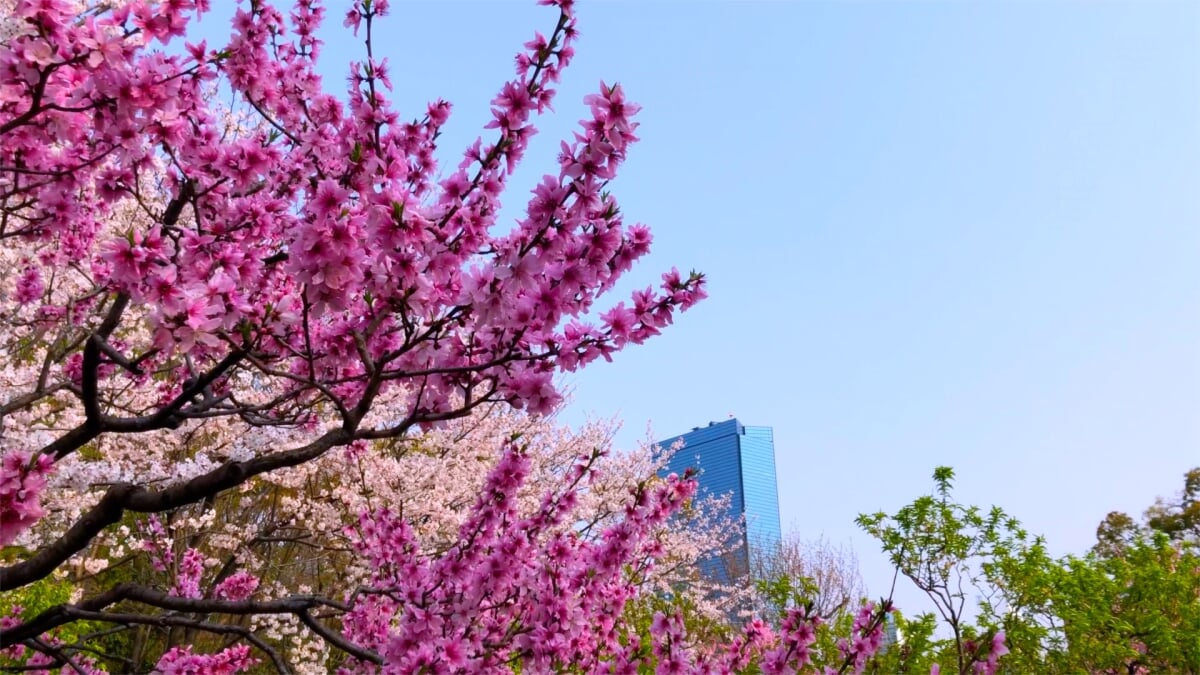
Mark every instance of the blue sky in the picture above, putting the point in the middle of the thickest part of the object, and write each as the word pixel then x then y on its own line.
pixel 935 233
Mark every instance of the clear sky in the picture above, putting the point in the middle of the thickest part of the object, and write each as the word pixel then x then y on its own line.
pixel 935 233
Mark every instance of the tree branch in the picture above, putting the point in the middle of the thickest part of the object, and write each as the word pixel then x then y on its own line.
pixel 126 497
pixel 92 608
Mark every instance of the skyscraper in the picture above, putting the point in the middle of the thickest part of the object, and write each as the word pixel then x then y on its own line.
pixel 739 461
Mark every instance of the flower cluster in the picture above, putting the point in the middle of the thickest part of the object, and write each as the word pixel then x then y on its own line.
pixel 238 586
pixel 187 579
pixel 463 607
pixel 990 662
pixel 521 590
pixel 866 638
pixel 181 661
pixel 22 480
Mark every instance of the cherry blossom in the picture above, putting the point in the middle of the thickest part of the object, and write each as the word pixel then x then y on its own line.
pixel 238 310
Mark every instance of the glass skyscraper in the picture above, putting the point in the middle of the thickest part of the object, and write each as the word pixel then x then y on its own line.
pixel 739 461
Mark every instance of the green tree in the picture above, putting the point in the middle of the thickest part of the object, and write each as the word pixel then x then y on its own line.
pixel 1131 605
pixel 945 549
pixel 1138 612
pixel 1177 518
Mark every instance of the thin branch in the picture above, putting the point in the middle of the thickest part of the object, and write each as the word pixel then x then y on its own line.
pixel 337 640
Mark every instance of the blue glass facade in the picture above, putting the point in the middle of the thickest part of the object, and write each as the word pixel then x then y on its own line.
pixel 739 461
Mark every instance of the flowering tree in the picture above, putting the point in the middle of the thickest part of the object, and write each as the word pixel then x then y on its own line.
pixel 818 570
pixel 198 297
pixel 304 274
pixel 298 276
pixel 291 531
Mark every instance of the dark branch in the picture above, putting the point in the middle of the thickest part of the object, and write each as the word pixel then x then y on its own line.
pixel 92 608
pixel 337 640
pixel 125 497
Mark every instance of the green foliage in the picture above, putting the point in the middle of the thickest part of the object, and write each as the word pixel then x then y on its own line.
pixel 947 549
pixel 1138 609
pixel 29 601
pixel 1179 519
pixel 783 592
pixel 36 597
pixel 916 651
pixel 700 627
pixel 1131 605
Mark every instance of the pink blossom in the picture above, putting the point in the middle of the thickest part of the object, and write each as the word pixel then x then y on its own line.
pixel 29 285
pixel 996 649
pixel 305 257
pixel 181 661
pixel 22 481
pixel 187 580
pixel 238 586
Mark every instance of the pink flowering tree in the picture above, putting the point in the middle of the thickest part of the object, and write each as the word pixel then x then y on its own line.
pixel 298 276
pixel 198 297
pixel 303 272
pixel 286 532
pixel 516 590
